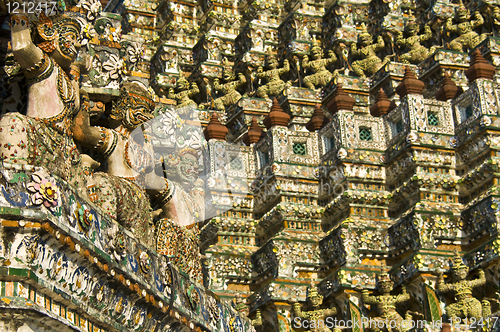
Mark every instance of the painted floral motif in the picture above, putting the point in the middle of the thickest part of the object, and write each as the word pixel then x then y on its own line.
pixel 144 262
pixel 44 191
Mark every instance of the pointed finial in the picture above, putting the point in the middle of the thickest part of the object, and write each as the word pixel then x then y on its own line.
pixel 215 129
pixel 254 133
pixel 479 67
pixel 318 119
pixel 383 104
pixel 277 117
pixel 341 101
pixel 410 84
pixel 448 90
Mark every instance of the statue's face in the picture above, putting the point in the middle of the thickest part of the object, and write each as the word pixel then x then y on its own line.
pixel 228 75
pixel 460 274
pixel 385 287
pixel 137 111
pixel 463 15
pixel 365 40
pixel 67 44
pixel 188 167
pixel 316 53
pixel 273 63
pixel 412 29
pixel 315 301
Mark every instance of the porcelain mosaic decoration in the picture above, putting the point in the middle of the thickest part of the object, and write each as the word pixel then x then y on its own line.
pixel 249 166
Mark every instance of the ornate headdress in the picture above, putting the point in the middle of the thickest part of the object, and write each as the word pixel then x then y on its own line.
pixel 364 31
pixel 458 263
pixel 313 292
pixel 461 8
pixel 384 278
pixel 133 95
pixel 411 19
pixel 316 45
pixel 49 30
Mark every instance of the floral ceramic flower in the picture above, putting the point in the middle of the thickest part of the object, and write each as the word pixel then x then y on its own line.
pixel 84 217
pixel 44 191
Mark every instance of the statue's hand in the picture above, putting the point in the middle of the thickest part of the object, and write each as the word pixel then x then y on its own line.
pixel 380 39
pixel 194 85
pixel 305 58
pixel 331 54
pixel 84 63
pixel 171 91
pixel 477 16
pixel 285 62
pixel 427 29
pixel 216 81
pixel 241 76
pixel 260 69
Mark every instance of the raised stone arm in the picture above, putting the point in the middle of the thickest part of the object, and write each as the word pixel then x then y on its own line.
pixel 194 90
pixel 305 62
pixel 26 52
pixel 380 44
pixel 449 25
pixel 354 50
pixel 403 297
pixel 332 58
pixel 481 281
pixel 171 93
pixel 83 132
pixel 440 284
pixel 400 40
pixel 260 72
pixel 367 298
pixel 427 34
pixel 297 311
pixel 217 85
pixel 285 69
pixel 479 20
pixel 242 79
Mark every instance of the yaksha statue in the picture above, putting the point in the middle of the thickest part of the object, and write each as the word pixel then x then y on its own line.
pixel 183 93
pixel 274 83
pixel 367 51
pixel 468 38
pixel 127 161
pixel 229 88
pixel 465 305
pixel 316 317
pixel 42 137
pixel 386 306
pixel 317 66
pixel 416 52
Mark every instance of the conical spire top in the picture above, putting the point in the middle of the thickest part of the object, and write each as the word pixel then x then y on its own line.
pixel 215 129
pixel 479 67
pixel 410 84
pixel 277 117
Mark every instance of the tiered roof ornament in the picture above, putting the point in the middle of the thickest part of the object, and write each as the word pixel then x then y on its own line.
pixel 383 104
pixel 479 67
pixel 277 117
pixel 410 84
pixel 341 101
pixel 215 129
pixel 448 90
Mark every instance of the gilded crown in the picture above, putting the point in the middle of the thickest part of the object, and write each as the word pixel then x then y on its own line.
pixel 313 291
pixel 384 278
pixel 364 31
pixel 458 263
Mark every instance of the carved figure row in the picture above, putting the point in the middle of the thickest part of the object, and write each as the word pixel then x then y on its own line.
pixel 58 123
pixel 464 306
